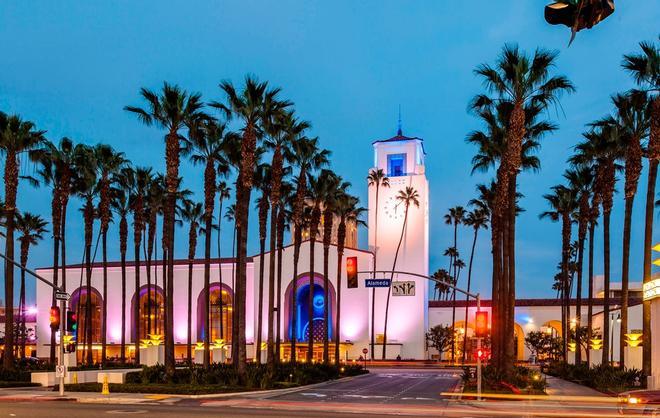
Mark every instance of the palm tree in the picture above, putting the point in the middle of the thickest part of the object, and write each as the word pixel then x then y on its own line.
pixel 138 187
pixel 108 163
pixel 644 67
pixel 631 121
pixel 522 83
pixel 335 188
pixel 247 105
pixel 349 213
pixel 282 129
pixel 206 147
pixel 121 204
pixel 306 155
pixel 173 110
pixel 563 203
pixel 408 196
pixel 477 219
pixel 377 179
pixel 16 138
pixel 580 180
pixel 32 228
pixel 262 182
pixel 283 223
pixel 86 189
pixel 193 213
pixel 455 217
pixel 458 266
pixel 440 289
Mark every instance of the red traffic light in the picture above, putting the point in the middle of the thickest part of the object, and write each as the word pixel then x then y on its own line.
pixel 482 354
pixel 71 321
pixel 351 272
pixel 54 317
pixel 481 323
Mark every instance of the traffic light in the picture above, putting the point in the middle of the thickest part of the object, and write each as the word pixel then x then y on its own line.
pixel 578 14
pixel 71 322
pixel 54 317
pixel 481 324
pixel 482 354
pixel 351 272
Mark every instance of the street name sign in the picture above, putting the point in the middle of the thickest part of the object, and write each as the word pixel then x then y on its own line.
pixel 61 295
pixel 377 282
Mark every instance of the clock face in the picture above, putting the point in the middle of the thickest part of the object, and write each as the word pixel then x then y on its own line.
pixel 394 209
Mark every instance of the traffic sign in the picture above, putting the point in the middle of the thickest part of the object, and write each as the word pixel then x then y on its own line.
pixel 406 288
pixel 62 295
pixel 365 351
pixel 377 282
pixel 60 371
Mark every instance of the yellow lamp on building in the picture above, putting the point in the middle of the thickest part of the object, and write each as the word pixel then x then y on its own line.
pixel 156 339
pixel 634 339
pixel 145 342
pixel 596 343
pixel 572 347
pixel 199 346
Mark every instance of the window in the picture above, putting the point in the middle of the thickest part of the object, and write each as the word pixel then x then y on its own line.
pixel 396 165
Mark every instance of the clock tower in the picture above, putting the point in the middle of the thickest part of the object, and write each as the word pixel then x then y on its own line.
pixel 402 160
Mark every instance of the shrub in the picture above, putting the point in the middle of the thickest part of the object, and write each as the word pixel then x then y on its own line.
pixel 520 380
pixel 604 378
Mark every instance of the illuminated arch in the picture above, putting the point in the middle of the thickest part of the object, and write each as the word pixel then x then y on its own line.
pixel 302 301
pixel 221 325
pixel 78 304
pixel 519 335
pixel 157 311
pixel 554 326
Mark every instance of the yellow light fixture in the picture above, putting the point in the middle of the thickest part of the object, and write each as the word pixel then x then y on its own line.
pixel 156 339
pixel 199 346
pixel 656 262
pixel 634 339
pixel 596 343
pixel 68 339
pixel 144 343
pixel 264 346
pixel 572 347
pixel 656 247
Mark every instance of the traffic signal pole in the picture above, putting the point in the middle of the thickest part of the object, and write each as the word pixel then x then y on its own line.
pixel 478 357
pixel 60 359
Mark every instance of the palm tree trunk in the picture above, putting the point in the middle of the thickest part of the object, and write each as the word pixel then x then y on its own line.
pixel 373 276
pixel 310 300
pixel 648 236
pixel 189 345
pixel 63 241
pixel 207 288
pixel 495 309
pixel 294 290
pixel 467 297
pixel 389 290
pixel 453 298
pixel 326 306
pixel 590 300
pixel 137 235
pixel 56 249
pixel 123 227
pixel 578 296
pixel 606 301
pixel 222 316
pixel 340 256
pixel 260 309
pixel 270 354
pixel 280 244
pixel 511 297
pixel 25 249
pixel 104 321
pixel 625 261
pixel 11 186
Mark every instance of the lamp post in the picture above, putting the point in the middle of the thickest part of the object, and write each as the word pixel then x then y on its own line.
pixel 618 320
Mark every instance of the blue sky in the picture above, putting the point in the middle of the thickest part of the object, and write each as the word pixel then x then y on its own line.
pixel 71 67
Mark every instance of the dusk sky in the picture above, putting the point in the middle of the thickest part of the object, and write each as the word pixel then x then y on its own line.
pixel 72 66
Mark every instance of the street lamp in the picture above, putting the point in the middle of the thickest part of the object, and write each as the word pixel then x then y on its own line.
pixel 618 320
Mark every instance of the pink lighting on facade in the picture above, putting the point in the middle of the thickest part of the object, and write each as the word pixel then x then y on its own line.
pixel 32 310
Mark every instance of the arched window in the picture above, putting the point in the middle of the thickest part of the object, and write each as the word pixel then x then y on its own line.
pixel 78 304
pixel 222 311
pixel 302 309
pixel 152 315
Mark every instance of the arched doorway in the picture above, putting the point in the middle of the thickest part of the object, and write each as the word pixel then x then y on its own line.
pixel 78 304
pixel 221 313
pixel 151 314
pixel 303 328
pixel 519 346
pixel 552 327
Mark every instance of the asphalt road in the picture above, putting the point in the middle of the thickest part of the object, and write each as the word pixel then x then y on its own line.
pixel 396 386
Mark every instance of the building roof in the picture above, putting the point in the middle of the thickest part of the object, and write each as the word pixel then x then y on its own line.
pixel 551 302
pixel 178 262
pixel 400 137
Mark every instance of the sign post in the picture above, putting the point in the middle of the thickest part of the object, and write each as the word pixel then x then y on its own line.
pixel 365 351
pixel 481 327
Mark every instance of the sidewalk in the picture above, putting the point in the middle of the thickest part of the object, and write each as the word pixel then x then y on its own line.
pixel 561 387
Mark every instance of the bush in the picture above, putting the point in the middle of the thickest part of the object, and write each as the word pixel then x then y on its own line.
pixel 520 380
pixel 604 378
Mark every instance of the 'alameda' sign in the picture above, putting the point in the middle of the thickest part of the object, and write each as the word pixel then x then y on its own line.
pixel 377 282
pixel 651 290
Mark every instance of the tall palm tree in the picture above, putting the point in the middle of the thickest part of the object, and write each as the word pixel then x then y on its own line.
pixel 108 163
pixel 477 219
pixel 247 105
pixel 644 67
pixel 455 216
pixel 283 223
pixel 31 229
pixel 193 214
pixel 580 180
pixel 86 189
pixel 282 128
pixel 17 137
pixel 173 110
pixel 306 155
pixel 262 183
pixel 224 193
pixel 563 204
pixel 349 212
pixel 121 205
pixel 523 82
pixel 631 121
pixel 206 147
pixel 408 196
pixel 335 188
pixel 377 179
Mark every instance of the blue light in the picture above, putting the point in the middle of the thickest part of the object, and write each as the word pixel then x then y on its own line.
pixel 318 301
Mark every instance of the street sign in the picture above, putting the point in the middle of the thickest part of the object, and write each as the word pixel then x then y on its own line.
pixel 60 371
pixel 62 295
pixel 365 351
pixel 377 283
pixel 406 288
